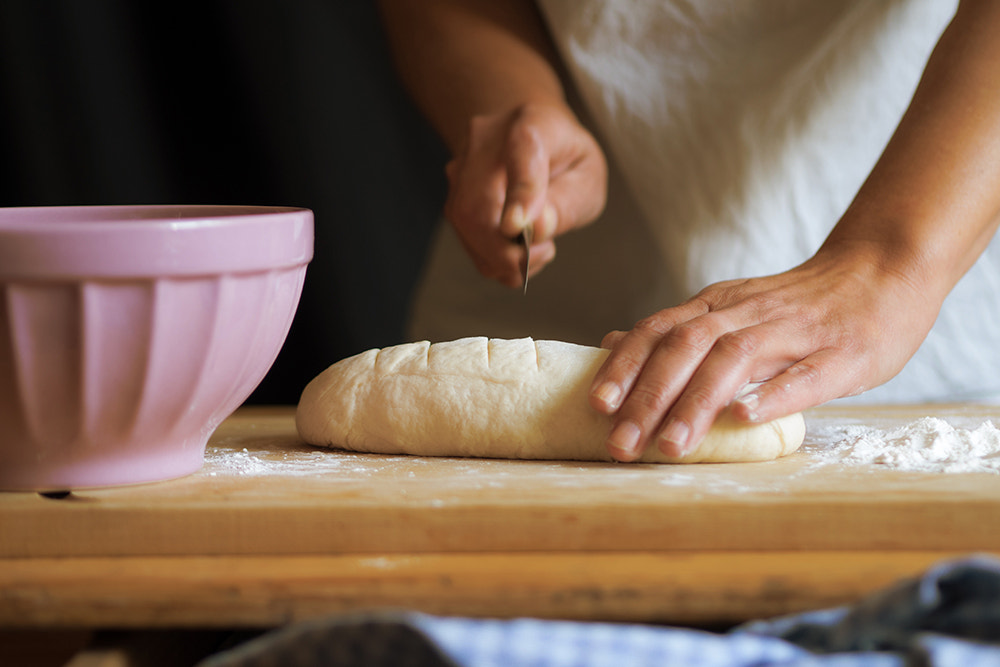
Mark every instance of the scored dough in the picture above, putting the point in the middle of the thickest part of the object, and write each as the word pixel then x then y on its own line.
pixel 495 398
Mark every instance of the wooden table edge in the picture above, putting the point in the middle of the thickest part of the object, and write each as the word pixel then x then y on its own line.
pixel 677 588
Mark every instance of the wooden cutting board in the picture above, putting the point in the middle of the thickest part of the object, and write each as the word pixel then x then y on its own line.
pixel 263 492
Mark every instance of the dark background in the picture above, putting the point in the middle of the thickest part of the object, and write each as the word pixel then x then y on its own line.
pixel 270 102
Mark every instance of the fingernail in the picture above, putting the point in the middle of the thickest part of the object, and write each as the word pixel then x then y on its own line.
pixel 517 217
pixel 674 439
pixel 549 221
pixel 750 403
pixel 625 438
pixel 610 394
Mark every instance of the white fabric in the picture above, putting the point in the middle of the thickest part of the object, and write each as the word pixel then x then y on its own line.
pixel 742 128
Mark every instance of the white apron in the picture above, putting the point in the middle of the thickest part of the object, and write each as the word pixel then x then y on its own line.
pixel 738 132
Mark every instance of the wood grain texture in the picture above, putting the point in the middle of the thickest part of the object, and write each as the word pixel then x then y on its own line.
pixel 262 591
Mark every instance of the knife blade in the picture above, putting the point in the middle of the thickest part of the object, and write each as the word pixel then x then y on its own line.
pixel 526 237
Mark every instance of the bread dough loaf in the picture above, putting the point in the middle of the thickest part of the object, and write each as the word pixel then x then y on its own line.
pixel 517 399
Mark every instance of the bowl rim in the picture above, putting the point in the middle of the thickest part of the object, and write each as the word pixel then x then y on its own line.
pixel 148 240
pixel 27 217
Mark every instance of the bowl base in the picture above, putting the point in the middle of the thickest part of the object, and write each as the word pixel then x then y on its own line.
pixel 151 465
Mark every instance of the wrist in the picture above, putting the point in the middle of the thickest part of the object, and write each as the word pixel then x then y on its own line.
pixel 891 252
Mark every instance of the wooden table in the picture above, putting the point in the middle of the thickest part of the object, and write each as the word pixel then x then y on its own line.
pixel 272 530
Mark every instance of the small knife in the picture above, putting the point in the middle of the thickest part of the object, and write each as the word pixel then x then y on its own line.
pixel 525 238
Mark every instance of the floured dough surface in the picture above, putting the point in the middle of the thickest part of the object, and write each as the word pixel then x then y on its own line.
pixel 517 399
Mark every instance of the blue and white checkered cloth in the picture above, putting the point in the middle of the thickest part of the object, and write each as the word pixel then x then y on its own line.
pixel 949 617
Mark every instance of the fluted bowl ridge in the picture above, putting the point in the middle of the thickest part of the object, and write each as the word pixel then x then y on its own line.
pixel 128 333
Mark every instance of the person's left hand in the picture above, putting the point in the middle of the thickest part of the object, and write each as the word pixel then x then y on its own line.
pixel 835 326
pixel 852 316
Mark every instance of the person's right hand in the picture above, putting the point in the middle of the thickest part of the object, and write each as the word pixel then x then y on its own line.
pixel 532 164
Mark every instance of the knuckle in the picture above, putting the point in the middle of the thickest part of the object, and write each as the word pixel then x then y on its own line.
pixel 738 344
pixel 704 301
pixel 612 338
pixel 700 399
pixel 628 365
pixel 522 132
pixel 807 372
pixel 648 397
pixel 692 335
pixel 650 327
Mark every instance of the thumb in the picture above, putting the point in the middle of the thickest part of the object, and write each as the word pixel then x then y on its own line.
pixel 527 162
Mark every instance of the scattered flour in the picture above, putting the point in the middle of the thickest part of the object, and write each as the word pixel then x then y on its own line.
pixel 244 463
pixel 929 444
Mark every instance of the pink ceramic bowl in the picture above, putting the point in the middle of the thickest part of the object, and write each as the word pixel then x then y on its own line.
pixel 128 333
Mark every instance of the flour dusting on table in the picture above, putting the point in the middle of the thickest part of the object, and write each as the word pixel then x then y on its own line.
pixel 244 462
pixel 929 444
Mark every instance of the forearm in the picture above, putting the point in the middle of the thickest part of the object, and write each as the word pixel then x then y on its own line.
pixel 932 203
pixel 464 58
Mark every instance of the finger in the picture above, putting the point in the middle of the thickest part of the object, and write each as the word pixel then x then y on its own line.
pixel 503 265
pixel 612 338
pixel 617 374
pixel 547 225
pixel 736 359
pixel 473 206
pixel 629 352
pixel 475 199
pixel 820 377
pixel 527 164
pixel 673 361
pixel 494 257
pixel 542 254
